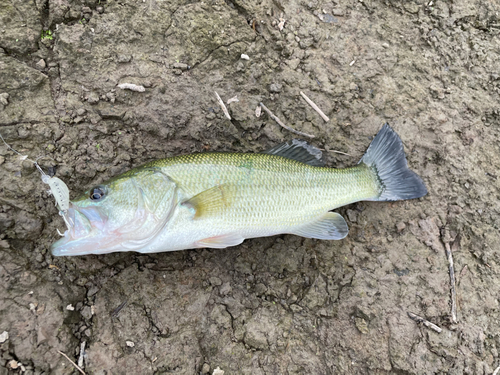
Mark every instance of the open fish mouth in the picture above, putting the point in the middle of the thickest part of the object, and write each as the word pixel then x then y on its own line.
pixel 90 231
pixel 85 225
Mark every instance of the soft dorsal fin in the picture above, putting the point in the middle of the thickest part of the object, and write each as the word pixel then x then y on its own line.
pixel 299 150
pixel 211 201
pixel 330 226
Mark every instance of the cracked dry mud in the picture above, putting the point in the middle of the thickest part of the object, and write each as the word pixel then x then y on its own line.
pixel 280 305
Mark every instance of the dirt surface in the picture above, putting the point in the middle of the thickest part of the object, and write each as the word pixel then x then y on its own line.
pixel 279 305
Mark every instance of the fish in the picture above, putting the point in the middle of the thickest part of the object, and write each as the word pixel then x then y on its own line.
pixel 219 199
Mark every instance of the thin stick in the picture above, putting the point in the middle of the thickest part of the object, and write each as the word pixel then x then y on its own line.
pixel 223 106
pixel 452 283
pixel 337 152
pixel 496 370
pixel 82 352
pixel 131 87
pixel 315 107
pixel 425 322
pixel 73 363
pixel 116 311
pixel 283 125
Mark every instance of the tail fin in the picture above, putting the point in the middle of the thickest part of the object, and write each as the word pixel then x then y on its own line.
pixel 386 158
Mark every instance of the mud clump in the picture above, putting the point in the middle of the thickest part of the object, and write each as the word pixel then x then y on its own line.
pixel 271 305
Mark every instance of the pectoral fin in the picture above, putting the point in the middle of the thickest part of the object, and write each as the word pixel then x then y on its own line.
pixel 220 242
pixel 330 226
pixel 211 201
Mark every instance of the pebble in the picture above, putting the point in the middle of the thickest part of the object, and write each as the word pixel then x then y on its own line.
pixel 4 336
pixel 41 64
pixel 2 160
pixel 130 344
pixel 93 97
pixel 214 280
pixel 93 290
pixel 400 226
pixel 361 325
pixel 225 289
pixel 86 313
pixel 245 57
pixel 3 98
pixel 275 87
pixel 181 66
pixel 205 369
pixel 218 371
pixel 352 215
pixel 124 58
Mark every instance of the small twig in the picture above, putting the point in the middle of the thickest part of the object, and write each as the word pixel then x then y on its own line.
pixel 223 106
pixel 452 283
pixel 337 152
pixel 131 87
pixel 82 352
pixel 116 311
pixel 233 99
pixel 73 363
pixel 425 322
pixel 315 107
pixel 283 125
pixel 496 371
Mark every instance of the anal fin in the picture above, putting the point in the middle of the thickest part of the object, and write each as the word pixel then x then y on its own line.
pixel 220 242
pixel 330 226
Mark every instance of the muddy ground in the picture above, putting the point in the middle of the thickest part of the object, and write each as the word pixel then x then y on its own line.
pixel 280 305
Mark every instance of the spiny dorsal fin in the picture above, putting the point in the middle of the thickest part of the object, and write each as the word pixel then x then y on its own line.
pixel 211 201
pixel 299 150
pixel 330 226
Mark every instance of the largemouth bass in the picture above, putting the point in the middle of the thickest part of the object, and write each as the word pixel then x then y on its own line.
pixel 218 200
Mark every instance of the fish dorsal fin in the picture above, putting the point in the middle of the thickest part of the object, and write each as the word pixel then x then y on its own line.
pixel 299 150
pixel 330 226
pixel 211 201
pixel 220 242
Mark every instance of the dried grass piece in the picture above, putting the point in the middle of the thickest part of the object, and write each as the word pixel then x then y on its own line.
pixel 73 363
pixel 425 322
pixel 283 125
pixel 315 107
pixel 223 106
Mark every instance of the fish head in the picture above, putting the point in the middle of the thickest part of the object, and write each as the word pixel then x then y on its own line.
pixel 122 214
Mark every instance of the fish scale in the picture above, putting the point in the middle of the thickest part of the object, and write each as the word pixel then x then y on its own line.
pixel 273 193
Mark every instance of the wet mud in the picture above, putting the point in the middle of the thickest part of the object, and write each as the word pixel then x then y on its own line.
pixel 279 305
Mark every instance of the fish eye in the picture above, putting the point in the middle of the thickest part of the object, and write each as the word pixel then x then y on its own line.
pixel 97 193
